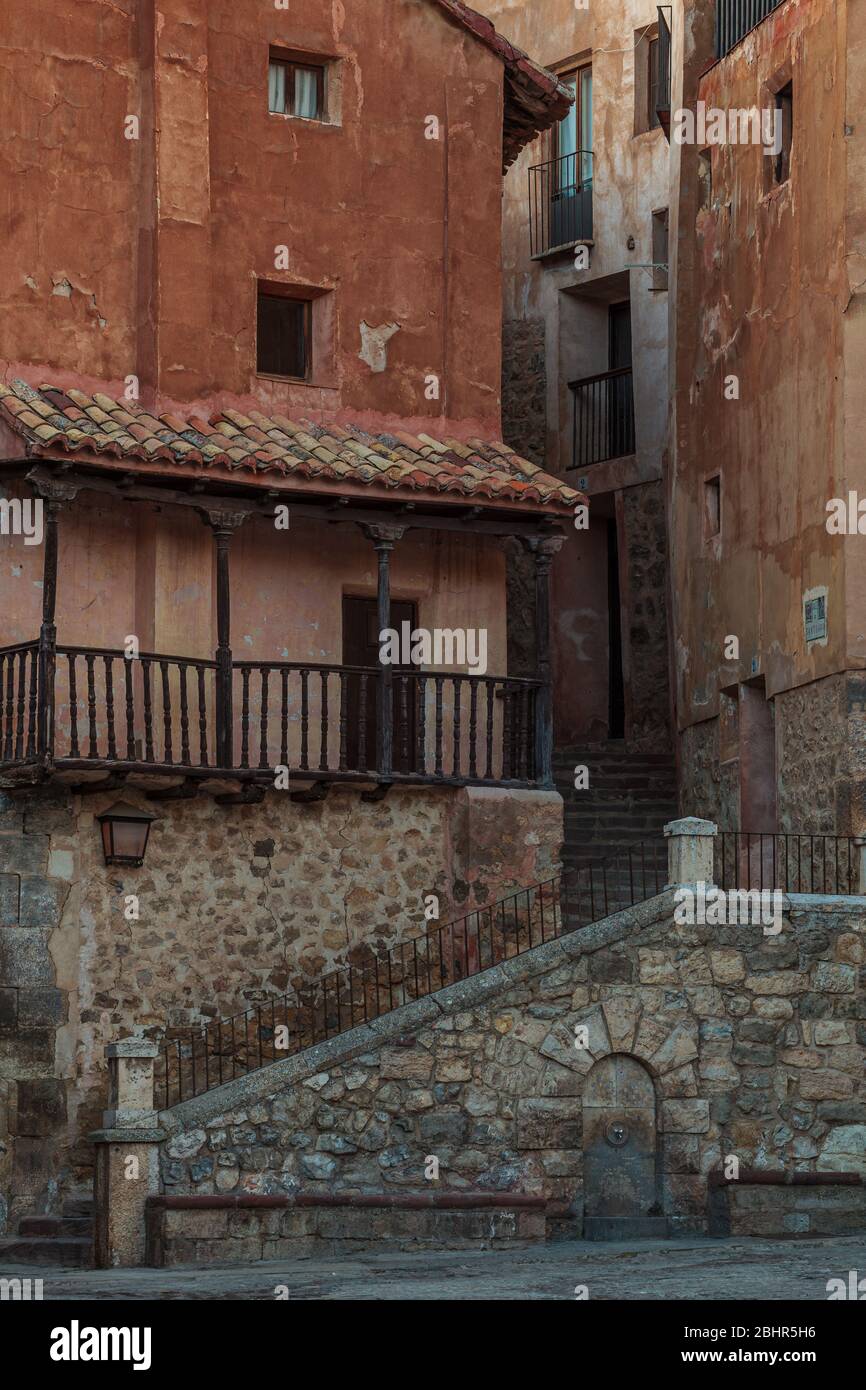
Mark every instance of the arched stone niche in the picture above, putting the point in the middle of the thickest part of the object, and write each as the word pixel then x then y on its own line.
pixel 620 1152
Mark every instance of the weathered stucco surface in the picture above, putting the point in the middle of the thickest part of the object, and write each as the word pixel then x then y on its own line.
pixel 755 1047
pixel 383 224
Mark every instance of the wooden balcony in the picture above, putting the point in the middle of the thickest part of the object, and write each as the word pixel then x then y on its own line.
pixel 79 710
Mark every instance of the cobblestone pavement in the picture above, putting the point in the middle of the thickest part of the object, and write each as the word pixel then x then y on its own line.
pixel 683 1269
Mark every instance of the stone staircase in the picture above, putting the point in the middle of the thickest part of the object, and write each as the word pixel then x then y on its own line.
pixel 630 797
pixel 65 1240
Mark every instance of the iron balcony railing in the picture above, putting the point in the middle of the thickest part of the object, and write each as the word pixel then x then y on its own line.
pixel 197 1060
pixel 786 862
pixel 603 425
pixel 735 18
pixel 84 707
pixel 560 202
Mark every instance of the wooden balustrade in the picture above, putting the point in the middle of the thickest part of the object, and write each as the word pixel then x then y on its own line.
pixel 19 707
pixel 160 712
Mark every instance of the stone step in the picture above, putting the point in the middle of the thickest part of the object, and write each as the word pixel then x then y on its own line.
pixel 61 1226
pixel 73 1252
pixel 81 1205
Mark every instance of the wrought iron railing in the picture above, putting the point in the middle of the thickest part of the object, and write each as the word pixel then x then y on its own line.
pixel 603 425
pixel 789 863
pixel 80 707
pixel 735 18
pixel 193 1061
pixel 197 1060
pixel 560 202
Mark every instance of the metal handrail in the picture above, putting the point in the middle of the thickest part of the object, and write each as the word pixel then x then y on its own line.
pixel 200 1060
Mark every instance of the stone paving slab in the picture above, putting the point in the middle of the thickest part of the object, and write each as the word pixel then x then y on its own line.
pixel 734 1269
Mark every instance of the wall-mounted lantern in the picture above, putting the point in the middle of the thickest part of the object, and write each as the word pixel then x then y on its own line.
pixel 125 830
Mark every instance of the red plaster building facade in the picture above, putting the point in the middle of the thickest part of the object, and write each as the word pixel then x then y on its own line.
pixel 766 373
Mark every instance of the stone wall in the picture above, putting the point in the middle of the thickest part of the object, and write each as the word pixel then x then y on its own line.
pixel 234 906
pixel 755 1047
pixel 524 387
pixel 38 980
pixel 645 642
pixel 820 762
pixel 812 756
pixel 708 787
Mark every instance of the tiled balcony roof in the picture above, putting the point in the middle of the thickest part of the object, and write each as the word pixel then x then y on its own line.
pixel 57 422
pixel 535 99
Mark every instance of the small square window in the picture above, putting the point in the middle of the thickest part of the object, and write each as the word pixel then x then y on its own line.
pixel 283 338
pixel 712 507
pixel 660 249
pixel 296 89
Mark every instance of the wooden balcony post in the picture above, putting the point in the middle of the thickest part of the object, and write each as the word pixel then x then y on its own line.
pixel 223 523
pixel 55 494
pixel 383 538
pixel 543 548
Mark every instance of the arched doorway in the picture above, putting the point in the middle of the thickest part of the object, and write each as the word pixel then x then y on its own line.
pixel 620 1161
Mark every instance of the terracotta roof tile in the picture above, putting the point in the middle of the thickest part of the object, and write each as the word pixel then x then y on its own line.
pixel 54 421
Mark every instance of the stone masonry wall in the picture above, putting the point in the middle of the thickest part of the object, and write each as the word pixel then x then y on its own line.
pixel 708 788
pixel 646 640
pixel 524 387
pixel 755 1046
pixel 234 906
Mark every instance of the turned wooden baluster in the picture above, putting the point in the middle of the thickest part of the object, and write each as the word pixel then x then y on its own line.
pixel 344 723
pixel 245 716
pixel 128 676
pixel 421 765
pixel 148 711
pixel 305 720
pixel 437 770
pixel 93 751
pixel 74 750
pixel 323 736
pixel 22 689
pixel 184 715
pixel 263 720
pixel 33 712
pixel 362 724
pixel 109 706
pixel 202 718
pixel 284 718
pixel 166 713
pixel 473 727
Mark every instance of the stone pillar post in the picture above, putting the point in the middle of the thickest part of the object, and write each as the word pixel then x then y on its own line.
pixel 127 1155
pixel 690 851
pixel 859 874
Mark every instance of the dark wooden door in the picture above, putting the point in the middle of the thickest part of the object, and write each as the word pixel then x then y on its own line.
pixel 619 402
pixel 361 648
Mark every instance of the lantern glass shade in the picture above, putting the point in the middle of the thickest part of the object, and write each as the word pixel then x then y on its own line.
pixel 125 830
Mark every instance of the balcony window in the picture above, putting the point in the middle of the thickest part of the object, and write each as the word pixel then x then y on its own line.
pixel 560 190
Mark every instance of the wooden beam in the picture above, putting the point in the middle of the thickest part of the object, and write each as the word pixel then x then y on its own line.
pixel 488 518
